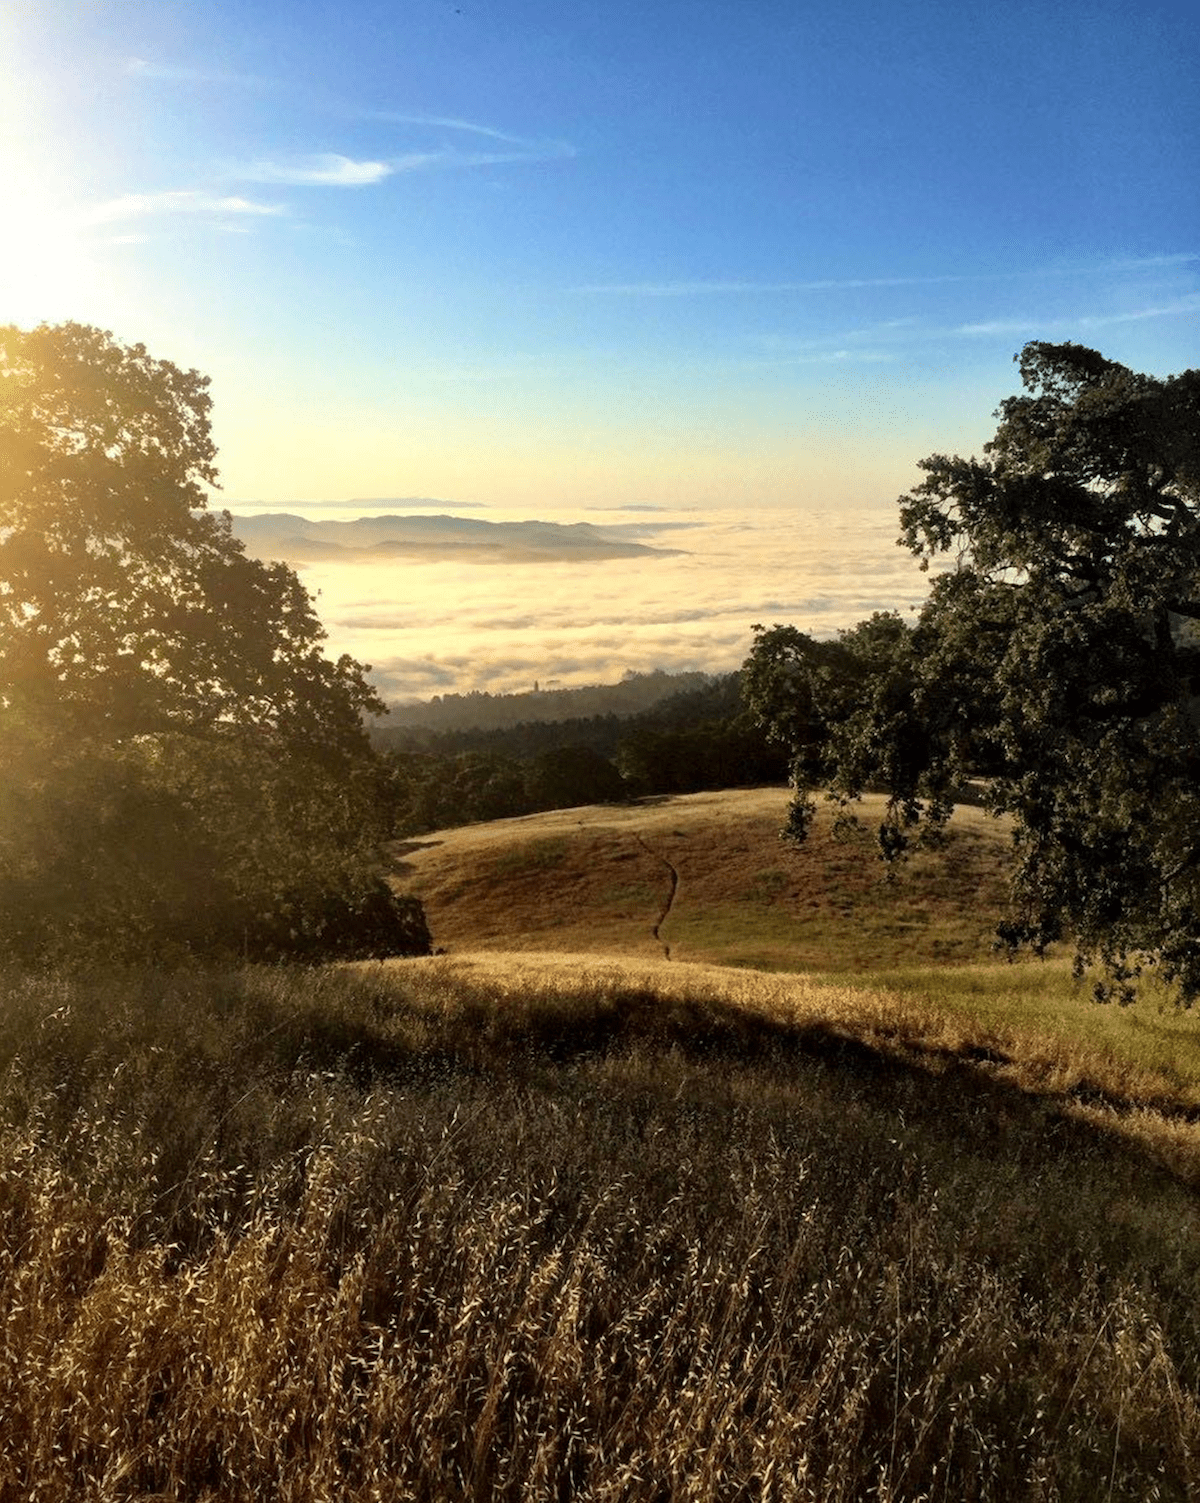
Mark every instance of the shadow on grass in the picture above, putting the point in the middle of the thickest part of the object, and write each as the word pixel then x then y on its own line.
pixel 534 1038
pixel 197 1054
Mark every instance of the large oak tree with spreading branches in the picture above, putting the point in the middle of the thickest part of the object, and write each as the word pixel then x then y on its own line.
pixel 1058 652
pixel 185 768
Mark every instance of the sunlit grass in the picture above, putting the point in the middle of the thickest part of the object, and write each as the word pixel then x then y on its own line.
pixel 560 1218
pixel 504 1227
pixel 1016 1004
pixel 595 881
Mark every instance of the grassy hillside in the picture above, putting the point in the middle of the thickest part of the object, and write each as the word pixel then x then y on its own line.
pixel 597 882
pixel 601 879
pixel 558 1216
pixel 517 1228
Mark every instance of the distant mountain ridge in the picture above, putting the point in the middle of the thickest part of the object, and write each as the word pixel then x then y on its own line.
pixel 296 539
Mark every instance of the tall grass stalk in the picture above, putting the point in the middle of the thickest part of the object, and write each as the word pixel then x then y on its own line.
pixel 428 1233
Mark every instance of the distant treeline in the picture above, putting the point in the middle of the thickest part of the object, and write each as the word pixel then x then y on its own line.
pixel 697 739
pixel 480 710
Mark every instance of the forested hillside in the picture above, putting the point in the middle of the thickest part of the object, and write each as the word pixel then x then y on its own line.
pixel 700 737
pixel 480 710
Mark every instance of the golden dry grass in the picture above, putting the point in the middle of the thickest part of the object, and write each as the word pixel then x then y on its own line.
pixel 596 880
pixel 1088 1062
pixel 507 1228
pixel 825 910
pixel 497 1229
pixel 521 1223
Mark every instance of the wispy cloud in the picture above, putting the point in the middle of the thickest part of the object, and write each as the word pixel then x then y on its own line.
pixel 1184 306
pixel 717 288
pixel 330 169
pixel 546 151
pixel 235 212
pixel 839 356
pixel 451 159
pixel 1150 263
pixel 141 67
pixel 327 169
pixel 180 201
pixel 449 122
pixel 509 146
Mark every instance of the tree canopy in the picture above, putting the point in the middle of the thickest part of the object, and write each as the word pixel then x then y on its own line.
pixel 185 767
pixel 1057 653
pixel 126 605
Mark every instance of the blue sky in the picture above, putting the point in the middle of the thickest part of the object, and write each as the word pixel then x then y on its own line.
pixel 547 255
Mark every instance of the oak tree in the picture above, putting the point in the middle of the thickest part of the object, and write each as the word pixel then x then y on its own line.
pixel 185 767
pixel 1058 653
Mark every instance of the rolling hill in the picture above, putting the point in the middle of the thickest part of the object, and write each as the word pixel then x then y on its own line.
pixel 705 877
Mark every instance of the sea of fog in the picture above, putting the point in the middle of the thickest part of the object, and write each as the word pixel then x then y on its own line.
pixel 431 627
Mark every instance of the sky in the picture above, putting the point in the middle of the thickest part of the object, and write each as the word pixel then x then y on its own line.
pixel 714 256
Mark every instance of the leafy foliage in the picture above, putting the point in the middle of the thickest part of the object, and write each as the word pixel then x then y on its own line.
pixel 845 709
pixel 186 770
pixel 126 606
pixel 1056 654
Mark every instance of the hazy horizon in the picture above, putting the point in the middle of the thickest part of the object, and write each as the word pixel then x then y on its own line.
pixel 445 626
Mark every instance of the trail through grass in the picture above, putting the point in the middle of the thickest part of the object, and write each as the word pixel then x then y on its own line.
pixel 596 880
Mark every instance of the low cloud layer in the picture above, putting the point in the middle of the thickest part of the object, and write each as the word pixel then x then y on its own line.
pixel 383 540
pixel 439 627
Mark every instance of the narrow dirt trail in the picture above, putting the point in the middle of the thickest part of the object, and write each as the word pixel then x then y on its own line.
pixel 671 892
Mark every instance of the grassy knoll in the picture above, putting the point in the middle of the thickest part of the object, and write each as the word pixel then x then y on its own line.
pixel 827 909
pixel 595 881
pixel 536 1227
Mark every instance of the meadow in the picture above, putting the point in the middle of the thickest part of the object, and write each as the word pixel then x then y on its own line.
pixel 698 1168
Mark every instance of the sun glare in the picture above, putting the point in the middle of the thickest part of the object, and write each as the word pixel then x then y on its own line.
pixel 45 270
